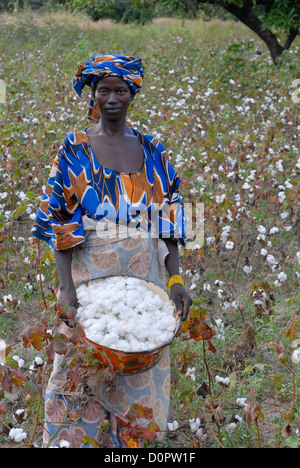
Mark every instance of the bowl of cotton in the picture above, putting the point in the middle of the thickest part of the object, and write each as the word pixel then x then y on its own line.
pixel 127 321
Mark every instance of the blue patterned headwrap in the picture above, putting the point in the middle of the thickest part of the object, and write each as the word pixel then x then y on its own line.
pixel 129 69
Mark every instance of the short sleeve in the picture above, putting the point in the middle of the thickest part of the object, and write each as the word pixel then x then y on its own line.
pixel 59 218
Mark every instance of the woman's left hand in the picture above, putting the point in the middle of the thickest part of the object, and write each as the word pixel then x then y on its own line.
pixel 181 299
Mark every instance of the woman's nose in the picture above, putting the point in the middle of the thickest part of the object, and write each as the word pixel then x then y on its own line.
pixel 112 98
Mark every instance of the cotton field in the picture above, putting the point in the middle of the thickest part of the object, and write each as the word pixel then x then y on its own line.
pixel 123 314
pixel 230 124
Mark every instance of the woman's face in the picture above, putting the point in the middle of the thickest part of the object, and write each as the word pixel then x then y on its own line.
pixel 113 97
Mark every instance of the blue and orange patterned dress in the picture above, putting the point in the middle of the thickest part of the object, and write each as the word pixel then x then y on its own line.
pixel 78 185
pixel 115 223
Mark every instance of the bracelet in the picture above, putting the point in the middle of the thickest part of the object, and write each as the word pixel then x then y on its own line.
pixel 175 279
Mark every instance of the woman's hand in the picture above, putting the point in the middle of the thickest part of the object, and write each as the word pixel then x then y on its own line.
pixel 67 291
pixel 181 299
pixel 68 294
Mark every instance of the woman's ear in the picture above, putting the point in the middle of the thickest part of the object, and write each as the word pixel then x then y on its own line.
pixel 93 95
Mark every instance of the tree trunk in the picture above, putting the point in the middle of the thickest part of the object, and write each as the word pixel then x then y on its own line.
pixel 245 15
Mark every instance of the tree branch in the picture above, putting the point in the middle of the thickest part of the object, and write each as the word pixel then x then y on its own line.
pixel 290 39
pixel 246 15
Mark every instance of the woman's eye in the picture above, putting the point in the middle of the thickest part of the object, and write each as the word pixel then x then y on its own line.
pixel 101 91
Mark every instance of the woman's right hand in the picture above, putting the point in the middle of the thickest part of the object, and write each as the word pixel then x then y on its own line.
pixel 68 294
pixel 67 291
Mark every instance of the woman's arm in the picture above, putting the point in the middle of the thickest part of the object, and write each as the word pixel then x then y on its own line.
pixel 67 289
pixel 179 295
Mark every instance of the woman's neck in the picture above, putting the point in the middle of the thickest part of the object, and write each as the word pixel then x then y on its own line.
pixel 113 128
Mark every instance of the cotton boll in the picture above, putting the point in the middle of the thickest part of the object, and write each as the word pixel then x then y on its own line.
pixel 134 345
pixel 132 300
pixel 122 345
pixel 165 336
pixel 151 309
pixel 89 311
pixel 140 290
pixel 154 303
pixel 80 314
pixel 157 301
pixel 122 310
pixel 83 295
pixel 118 281
pixel 106 305
pixel 141 307
pixel 117 296
pixel 127 314
pixel 92 336
pixel 109 339
pixel 102 323
pixel 169 309
pixel 141 331
pixel 162 338
pixel 83 299
pixel 17 434
pixel 172 324
pixel 131 281
pixel 164 320
pixel 143 346
pixel 114 309
pixel 113 325
pixel 122 328
pixel 157 341
pixel 87 322
pixel 150 345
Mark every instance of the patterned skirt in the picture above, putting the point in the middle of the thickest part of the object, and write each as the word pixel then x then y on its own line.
pixel 141 257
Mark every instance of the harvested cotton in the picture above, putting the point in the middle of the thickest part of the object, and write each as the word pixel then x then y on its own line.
pixel 123 314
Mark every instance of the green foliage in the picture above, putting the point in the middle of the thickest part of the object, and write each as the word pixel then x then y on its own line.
pixel 116 10
pixel 186 9
pixel 283 15
pixel 94 8
pixel 14 5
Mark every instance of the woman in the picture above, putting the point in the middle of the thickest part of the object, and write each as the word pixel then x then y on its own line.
pixel 111 207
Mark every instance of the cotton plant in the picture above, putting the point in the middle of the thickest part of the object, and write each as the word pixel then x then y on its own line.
pixel 19 360
pixel 191 373
pixel 197 428
pixel 173 426
pixel 17 435
pixel 223 381
pixel 2 351
pixel 123 314
pixel 219 329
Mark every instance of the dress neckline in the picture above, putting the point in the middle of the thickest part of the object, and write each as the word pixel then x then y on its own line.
pixel 107 169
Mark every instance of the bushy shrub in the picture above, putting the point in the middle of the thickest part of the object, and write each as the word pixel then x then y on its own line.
pixel 120 11
pixel 12 5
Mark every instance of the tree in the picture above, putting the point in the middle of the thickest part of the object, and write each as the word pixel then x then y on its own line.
pixel 269 19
